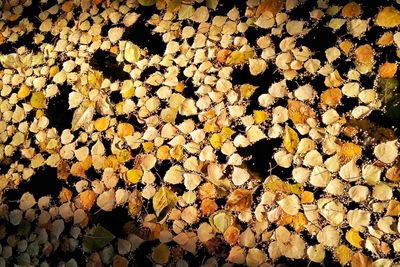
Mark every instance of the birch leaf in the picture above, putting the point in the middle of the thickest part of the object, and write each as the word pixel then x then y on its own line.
pixel 238 57
pixel 82 116
pixel 212 4
pixel 354 238
pixel 96 238
pixel 290 139
pixel 343 254
pixel 388 17
pixel 163 201
pixel 132 52
pixel 147 2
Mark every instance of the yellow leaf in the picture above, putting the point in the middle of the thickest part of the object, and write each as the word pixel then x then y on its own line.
pixel 127 92
pixel 124 129
pixel 163 201
pixel 85 200
pixel 238 57
pixel 260 116
pixel 38 100
pixel 354 238
pixel 101 124
pixel 180 87
pixel 343 254
pixel 346 46
pixel 307 197
pixel 299 220
pixel 349 151
pixel 147 146
pixel 361 260
pixel 65 195
pixel 134 175
pixel 290 139
pixel 161 254
pixel 123 155
pixel 388 17
pixel 147 2
pixel 226 133
pixel 176 152
pixel 276 184
pixel 393 208
pixel 247 90
pixel 95 79
pixel 163 152
pixel 53 71
pixel 23 92
pixel 215 141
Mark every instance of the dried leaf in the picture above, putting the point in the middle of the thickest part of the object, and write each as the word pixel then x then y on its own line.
pixel 388 17
pixel 354 238
pixel 290 139
pixel 163 201
pixel 239 200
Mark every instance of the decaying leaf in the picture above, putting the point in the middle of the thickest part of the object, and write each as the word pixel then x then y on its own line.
pixel 163 201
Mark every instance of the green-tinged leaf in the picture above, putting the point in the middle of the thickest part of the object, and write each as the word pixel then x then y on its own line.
pixel 239 57
pixel 276 184
pixel 147 2
pixel 163 201
pixel 135 203
pixel 221 220
pixel 212 4
pixel 185 12
pixel 388 88
pixel 161 254
pixel 132 52
pixel 96 238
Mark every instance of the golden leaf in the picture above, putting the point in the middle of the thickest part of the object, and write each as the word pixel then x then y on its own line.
pixel 273 6
pixel 364 54
pixel 299 112
pixel 260 116
pixel 238 57
pixel 307 197
pixel 299 220
pixel 65 195
pixel 247 90
pixel 331 97
pixel 163 201
pixel 388 17
pixel 124 129
pixel 349 151
pixel 387 70
pixel 163 152
pixel 53 71
pixel 134 175
pixel 101 124
pixel 351 10
pixel 23 92
pixel 215 141
pixel 239 200
pixel 346 46
pixel 226 133
pixel 276 184
pixel 85 200
pixel 393 208
pixel 343 254
pixel 290 139
pixel 354 238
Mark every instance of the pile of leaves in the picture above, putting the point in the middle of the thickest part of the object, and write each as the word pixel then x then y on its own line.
pixel 199 132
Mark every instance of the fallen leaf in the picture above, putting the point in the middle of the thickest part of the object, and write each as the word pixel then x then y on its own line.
pixel 290 139
pixel 96 238
pixel 239 200
pixel 163 201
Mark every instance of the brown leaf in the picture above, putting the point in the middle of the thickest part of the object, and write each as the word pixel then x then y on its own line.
pixel 360 260
pixel 239 200
pixel 65 195
pixel 85 200
pixel 364 54
pixel 273 6
pixel 351 10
